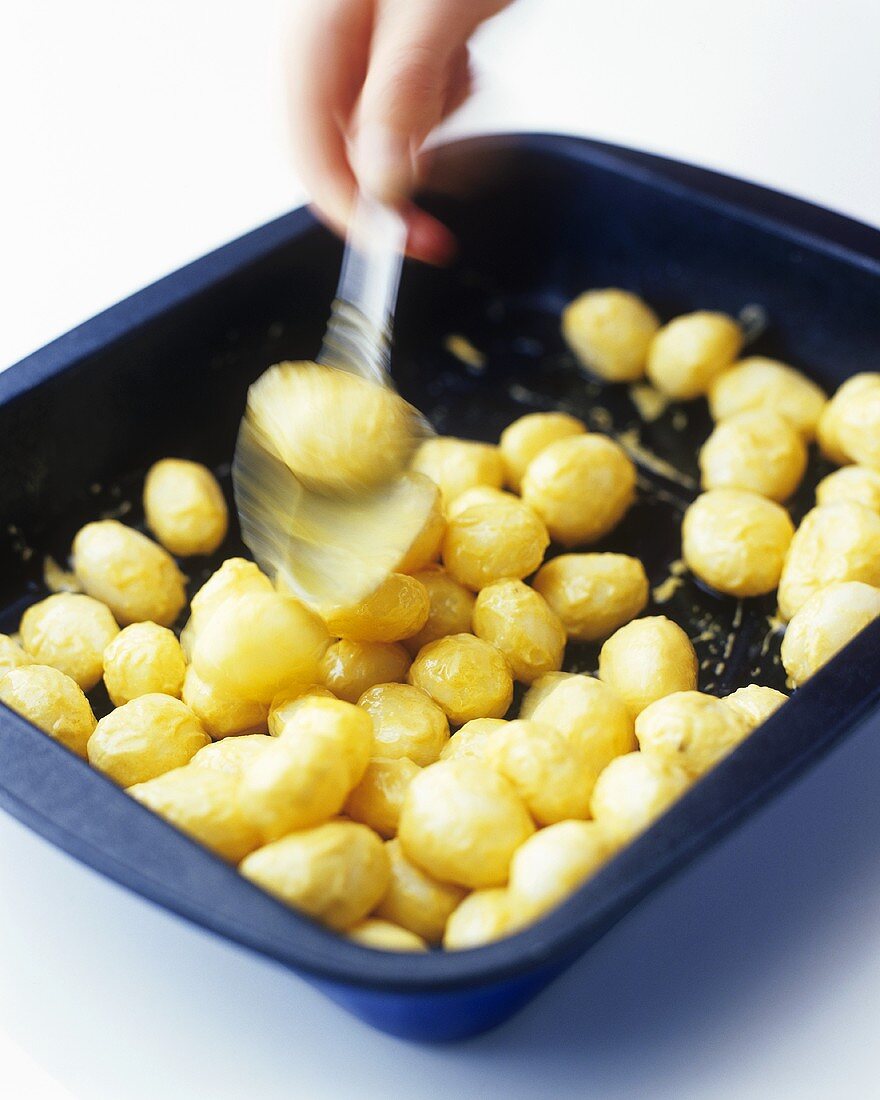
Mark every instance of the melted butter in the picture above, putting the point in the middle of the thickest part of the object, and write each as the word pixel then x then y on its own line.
pixel 464 351
pixel 57 579
pixel 650 404
pixel 631 442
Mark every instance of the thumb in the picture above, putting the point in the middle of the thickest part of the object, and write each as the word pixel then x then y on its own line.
pixel 406 89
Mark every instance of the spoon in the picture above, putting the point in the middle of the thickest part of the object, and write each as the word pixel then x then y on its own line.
pixel 325 501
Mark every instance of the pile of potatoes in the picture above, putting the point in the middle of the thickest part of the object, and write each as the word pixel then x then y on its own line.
pixel 362 765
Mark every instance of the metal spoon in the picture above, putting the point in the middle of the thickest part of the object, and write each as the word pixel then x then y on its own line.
pixel 333 549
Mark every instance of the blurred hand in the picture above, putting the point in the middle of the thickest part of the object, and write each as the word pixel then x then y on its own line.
pixel 369 80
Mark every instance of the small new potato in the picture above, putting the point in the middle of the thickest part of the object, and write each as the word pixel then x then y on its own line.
pixel 554 862
pixel 756 450
pixel 306 776
pixel 858 484
pixel 594 722
pixel 12 655
pixel 691 351
pixel 450 612
pixel 287 702
pixel 755 702
pixel 526 437
pixel 201 802
pixel 488 542
pixel 145 738
pixel 135 577
pixel 254 645
pixel 610 332
pixel 222 714
pixel 52 701
pixel 593 594
pixel 465 676
pixel 396 610
pixel 406 722
pixel 647 659
pixel 378 798
pixel 461 822
pixel 459 464
pixel 553 775
pixel 632 792
pixel 540 689
pixel 483 916
pixel 691 729
pixel 382 935
pixel 69 632
pixel 849 430
pixel 823 625
pixel 835 542
pixel 335 873
pixel 761 383
pixel 736 541
pixel 339 433
pixel 518 622
pixel 479 495
pixel 414 900
pixel 425 547
pixel 185 507
pixel 231 754
pixel 473 739
pixel 235 577
pixel 143 659
pixel 348 669
pixel 580 487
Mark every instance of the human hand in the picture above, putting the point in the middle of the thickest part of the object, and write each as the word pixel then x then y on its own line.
pixel 369 80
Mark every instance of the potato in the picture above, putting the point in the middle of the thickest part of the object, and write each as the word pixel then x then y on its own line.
pixel 755 702
pixel 378 798
pixel 465 676
pixel 69 632
pixel 381 935
pixel 690 352
pixel 287 702
pixel 736 541
pixel 527 436
pixel 835 542
pixel 147 737
pixel 610 332
pixel 580 487
pixel 517 621
pixel 489 542
pixel 348 669
pixel 472 739
pixel 414 900
pixel 222 714
pixel 406 722
pixel 201 802
pixel 12 655
pixel 461 822
pixel 231 754
pixel 450 611
pixel 143 659
pixel 632 792
pixel 131 574
pixel 849 429
pixel 554 862
pixel 857 484
pixel 593 594
pixel 335 873
pixel 425 547
pixel 761 383
pixel 824 624
pixel 185 507
pixel 483 916
pixel 757 450
pixel 52 701
pixel 647 659
pixel 459 464
pixel 690 729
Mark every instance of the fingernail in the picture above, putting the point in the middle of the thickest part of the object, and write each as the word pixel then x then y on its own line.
pixel 384 163
pixel 430 241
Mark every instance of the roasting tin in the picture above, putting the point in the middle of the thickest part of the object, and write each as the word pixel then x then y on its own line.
pixel 540 218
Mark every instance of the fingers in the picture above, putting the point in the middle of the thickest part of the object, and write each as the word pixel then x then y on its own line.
pixel 327 58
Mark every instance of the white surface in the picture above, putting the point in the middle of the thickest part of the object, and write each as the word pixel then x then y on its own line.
pixel 134 137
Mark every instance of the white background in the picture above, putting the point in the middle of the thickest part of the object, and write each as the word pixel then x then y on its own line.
pixel 136 136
